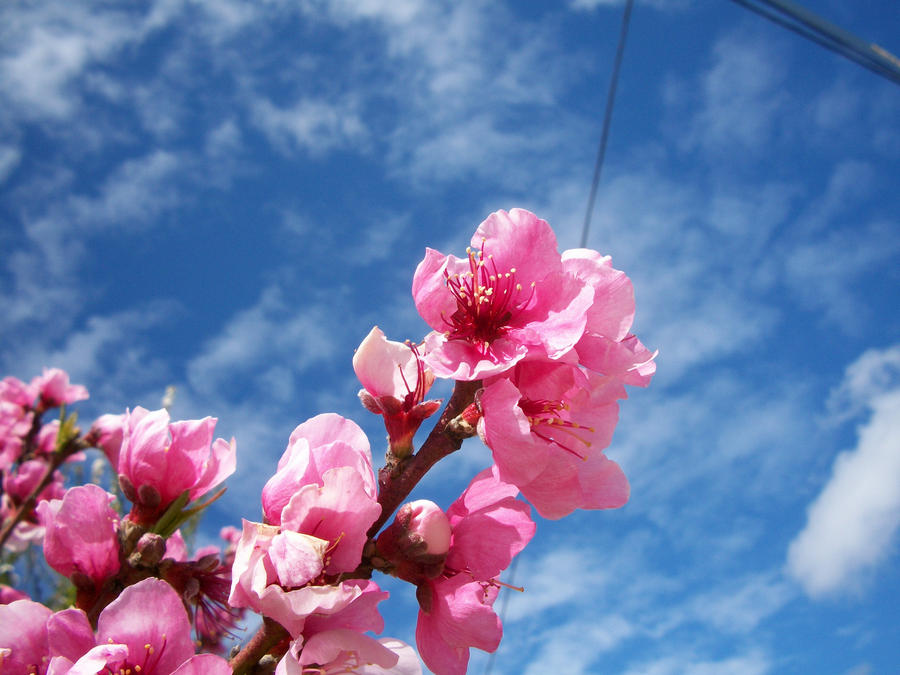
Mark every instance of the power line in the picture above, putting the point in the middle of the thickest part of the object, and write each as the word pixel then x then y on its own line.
pixel 607 118
pixel 801 21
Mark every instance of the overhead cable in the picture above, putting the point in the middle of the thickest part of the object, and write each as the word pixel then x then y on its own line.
pixel 607 118
pixel 795 18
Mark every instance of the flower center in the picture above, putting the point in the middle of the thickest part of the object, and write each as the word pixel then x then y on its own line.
pixel 486 300
pixel 548 423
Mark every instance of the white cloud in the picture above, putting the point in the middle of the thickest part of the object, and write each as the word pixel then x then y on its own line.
pixel 755 662
pixel 135 192
pixel 273 334
pixel 871 376
pixel 852 524
pixel 559 644
pixel 313 125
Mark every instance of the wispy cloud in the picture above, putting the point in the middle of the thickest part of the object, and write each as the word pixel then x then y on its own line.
pixel 309 124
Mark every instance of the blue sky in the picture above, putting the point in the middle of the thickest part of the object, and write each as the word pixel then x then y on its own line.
pixel 226 196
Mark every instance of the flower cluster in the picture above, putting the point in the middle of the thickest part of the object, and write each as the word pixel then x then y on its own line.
pixel 539 346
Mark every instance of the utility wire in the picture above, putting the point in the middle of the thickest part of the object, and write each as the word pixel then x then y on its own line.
pixel 801 21
pixel 607 118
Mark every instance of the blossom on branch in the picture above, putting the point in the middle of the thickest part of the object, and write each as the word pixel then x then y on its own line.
pixel 547 424
pixel 80 541
pixel 395 381
pixel 508 299
pixel 159 460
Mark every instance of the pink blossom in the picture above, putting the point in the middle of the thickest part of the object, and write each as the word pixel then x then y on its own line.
pixel 607 346
pixel 16 418
pixel 325 486
pixel 508 299
pixel 54 389
pixel 18 484
pixel 23 637
pixel 321 443
pixel 159 460
pixel 106 434
pixel 276 573
pixel 145 630
pixel 547 424
pixel 336 643
pixel 489 527
pixel 9 594
pixel 395 381
pixel 80 537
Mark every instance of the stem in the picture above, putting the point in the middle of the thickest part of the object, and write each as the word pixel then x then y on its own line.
pixel 395 485
pixel 266 638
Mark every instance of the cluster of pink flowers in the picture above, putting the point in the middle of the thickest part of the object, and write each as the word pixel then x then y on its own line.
pixel 538 343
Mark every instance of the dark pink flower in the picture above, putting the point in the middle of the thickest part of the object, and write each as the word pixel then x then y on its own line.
pixel 395 381
pixel 508 299
pixel 80 540
pixel 547 424
pixel 159 460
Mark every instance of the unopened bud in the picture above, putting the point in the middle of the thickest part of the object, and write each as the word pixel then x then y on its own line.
pixel 424 520
pixel 149 551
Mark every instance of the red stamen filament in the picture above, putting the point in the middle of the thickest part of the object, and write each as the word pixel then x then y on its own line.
pixel 486 300
pixel 547 424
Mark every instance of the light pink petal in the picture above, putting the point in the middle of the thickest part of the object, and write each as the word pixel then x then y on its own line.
pixel 506 431
pixel 341 646
pixel 219 463
pixel 327 428
pixel 461 360
pixel 149 615
pixel 360 614
pixel 556 491
pixel 407 663
pixel 204 664
pixel 461 617
pixel 297 558
pixel 486 541
pixel 429 291
pixel 98 658
pixel 69 634
pixel 555 319
pixel 385 367
pixel 613 310
pixel 291 608
pixel 628 360
pixel 485 490
pixel 603 483
pixel 519 239
pixel 340 511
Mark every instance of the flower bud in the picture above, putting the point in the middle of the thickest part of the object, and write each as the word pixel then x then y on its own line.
pixel 417 542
